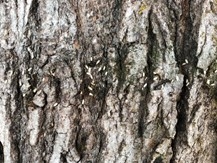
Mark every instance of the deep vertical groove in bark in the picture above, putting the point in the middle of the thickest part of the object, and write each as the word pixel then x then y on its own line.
pixel 1 152
pixel 216 150
pixel 122 51
pixel 152 46
pixel 185 52
pixel 15 129
pixel 143 112
pixel 34 14
pixel 185 41
pixel 182 106
pixel 79 144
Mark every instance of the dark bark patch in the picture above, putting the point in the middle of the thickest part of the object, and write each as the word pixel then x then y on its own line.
pixel 215 152
pixel 35 14
pixel 142 114
pixel 102 144
pixel 194 111
pixel 57 85
pixel 80 142
pixel 63 158
pixel 152 54
pixel 117 10
pixel 1 152
pixel 181 131
pixel 121 146
pixel 122 51
pixel 17 116
pixel 158 160
pixel 186 36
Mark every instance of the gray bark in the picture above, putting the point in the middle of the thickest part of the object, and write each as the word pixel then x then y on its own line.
pixel 108 81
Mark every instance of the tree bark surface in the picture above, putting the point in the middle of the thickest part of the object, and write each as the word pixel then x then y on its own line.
pixel 123 81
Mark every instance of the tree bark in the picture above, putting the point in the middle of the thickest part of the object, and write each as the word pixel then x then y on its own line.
pixel 108 81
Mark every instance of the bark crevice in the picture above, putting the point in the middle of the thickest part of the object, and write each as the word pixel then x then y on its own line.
pixel 1 152
pixel 182 107
pixel 185 49
pixel 145 93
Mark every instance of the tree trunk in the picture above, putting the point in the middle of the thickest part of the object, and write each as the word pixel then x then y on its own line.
pixel 108 81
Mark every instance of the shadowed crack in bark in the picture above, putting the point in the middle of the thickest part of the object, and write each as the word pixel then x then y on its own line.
pixel 1 153
pixel 149 71
pixel 185 43
pixel 182 106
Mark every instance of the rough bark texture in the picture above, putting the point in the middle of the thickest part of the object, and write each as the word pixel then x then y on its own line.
pixel 108 81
